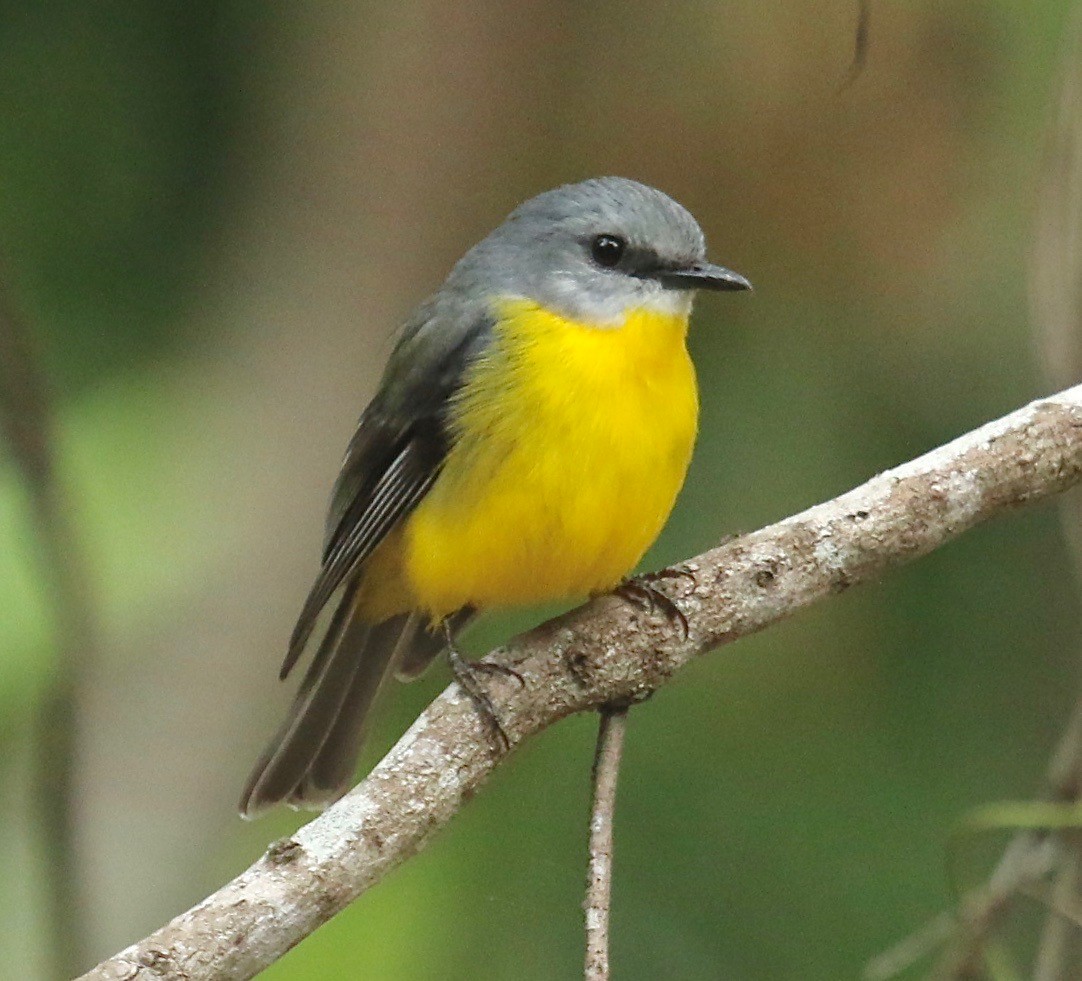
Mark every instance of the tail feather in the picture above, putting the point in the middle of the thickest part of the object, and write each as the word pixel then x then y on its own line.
pixel 326 686
pixel 422 642
pixel 312 757
pixel 334 763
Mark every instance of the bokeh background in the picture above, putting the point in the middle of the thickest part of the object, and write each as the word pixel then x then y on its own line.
pixel 214 213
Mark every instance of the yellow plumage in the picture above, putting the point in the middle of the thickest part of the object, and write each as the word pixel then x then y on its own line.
pixel 570 443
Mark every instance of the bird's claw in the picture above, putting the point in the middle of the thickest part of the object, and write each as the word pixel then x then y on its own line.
pixel 466 673
pixel 491 667
pixel 641 592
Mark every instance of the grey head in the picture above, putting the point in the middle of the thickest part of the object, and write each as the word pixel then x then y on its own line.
pixel 593 251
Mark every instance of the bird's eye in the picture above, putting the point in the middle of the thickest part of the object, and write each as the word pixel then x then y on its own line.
pixel 607 250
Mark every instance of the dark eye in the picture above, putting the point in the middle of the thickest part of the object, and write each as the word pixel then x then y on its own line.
pixel 607 250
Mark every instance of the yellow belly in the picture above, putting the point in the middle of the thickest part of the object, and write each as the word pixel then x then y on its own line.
pixel 569 446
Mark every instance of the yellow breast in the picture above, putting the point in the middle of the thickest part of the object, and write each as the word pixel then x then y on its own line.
pixel 569 446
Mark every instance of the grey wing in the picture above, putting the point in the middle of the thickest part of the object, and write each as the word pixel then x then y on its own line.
pixel 393 459
pixel 395 454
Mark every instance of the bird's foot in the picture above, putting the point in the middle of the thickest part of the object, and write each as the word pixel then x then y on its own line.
pixel 467 673
pixel 640 591
pixel 490 667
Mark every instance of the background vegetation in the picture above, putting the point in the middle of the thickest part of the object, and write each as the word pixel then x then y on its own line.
pixel 214 213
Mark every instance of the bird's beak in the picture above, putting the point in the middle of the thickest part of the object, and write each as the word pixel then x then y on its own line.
pixel 703 276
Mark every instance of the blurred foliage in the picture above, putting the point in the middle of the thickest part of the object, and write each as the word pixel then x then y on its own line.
pixel 113 124
pixel 785 806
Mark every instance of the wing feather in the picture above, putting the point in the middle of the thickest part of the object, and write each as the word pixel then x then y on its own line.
pixel 396 452
pixel 397 492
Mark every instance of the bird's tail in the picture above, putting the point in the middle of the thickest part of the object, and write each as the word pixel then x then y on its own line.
pixel 312 757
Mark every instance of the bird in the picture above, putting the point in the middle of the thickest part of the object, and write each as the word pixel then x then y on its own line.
pixel 527 442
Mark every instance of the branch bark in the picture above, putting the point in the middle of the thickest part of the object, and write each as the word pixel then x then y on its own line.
pixel 604 652
pixel 611 727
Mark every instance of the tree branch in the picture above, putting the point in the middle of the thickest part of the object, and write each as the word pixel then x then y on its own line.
pixel 611 727
pixel 607 651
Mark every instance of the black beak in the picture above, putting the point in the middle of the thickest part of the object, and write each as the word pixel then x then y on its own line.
pixel 702 276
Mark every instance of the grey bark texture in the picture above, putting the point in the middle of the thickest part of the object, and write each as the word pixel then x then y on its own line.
pixel 597 904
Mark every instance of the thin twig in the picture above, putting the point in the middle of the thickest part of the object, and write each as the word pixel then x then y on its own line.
pixel 960 933
pixel 1056 952
pixel 26 419
pixel 1028 857
pixel 597 905
pixel 911 949
pixel 1045 896
pixel 607 651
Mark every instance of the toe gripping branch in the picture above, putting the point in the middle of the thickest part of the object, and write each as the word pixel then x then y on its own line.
pixel 639 591
pixel 642 592
pixel 468 674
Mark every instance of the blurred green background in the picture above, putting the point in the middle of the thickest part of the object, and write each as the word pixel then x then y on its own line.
pixel 215 213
